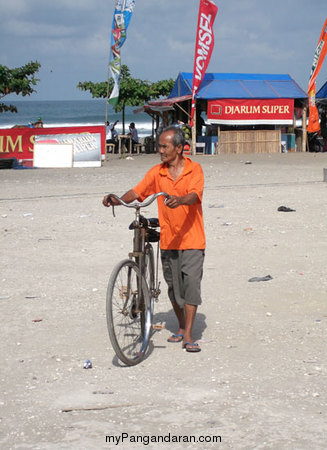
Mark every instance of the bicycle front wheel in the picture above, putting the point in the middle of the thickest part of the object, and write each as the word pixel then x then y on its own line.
pixel 149 267
pixel 128 312
pixel 149 274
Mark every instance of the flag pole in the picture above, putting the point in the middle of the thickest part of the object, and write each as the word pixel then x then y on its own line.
pixel 194 131
pixel 108 74
pixel 122 16
pixel 204 44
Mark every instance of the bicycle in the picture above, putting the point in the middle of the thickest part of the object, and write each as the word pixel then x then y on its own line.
pixel 133 288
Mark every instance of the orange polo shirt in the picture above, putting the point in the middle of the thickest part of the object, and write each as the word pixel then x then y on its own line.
pixel 181 228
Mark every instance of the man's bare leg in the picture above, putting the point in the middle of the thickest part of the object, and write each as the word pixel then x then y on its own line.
pixel 179 312
pixel 190 312
pixel 185 317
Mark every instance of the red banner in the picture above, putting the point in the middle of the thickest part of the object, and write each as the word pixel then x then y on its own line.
pixel 318 59
pixel 245 112
pixel 19 142
pixel 203 46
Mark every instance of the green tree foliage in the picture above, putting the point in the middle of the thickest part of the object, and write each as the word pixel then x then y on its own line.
pixel 19 81
pixel 132 92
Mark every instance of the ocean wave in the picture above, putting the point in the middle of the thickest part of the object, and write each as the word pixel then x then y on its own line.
pixel 144 129
pixel 73 113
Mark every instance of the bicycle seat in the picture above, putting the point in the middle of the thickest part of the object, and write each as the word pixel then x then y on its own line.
pixel 152 222
pixel 149 224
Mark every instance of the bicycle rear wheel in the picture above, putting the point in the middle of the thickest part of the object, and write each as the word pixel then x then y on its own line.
pixel 128 312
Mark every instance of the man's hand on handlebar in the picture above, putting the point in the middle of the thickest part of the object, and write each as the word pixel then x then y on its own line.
pixel 173 201
pixel 128 197
pixel 109 201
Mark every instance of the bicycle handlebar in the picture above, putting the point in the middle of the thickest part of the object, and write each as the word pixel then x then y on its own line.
pixel 137 204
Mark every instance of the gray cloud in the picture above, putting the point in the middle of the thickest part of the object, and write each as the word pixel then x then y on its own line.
pixel 71 39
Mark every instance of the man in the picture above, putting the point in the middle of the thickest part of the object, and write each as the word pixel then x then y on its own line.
pixel 133 134
pixel 111 134
pixel 38 123
pixel 199 123
pixel 182 238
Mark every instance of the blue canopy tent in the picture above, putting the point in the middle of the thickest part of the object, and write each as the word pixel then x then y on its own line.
pixel 322 93
pixel 233 87
pixel 230 86
pixel 242 87
pixel 238 85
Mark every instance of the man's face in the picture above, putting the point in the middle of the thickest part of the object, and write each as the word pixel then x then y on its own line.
pixel 167 150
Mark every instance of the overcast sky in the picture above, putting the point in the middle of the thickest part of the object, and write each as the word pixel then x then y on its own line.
pixel 71 40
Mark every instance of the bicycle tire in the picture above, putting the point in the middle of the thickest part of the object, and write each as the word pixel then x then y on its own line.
pixel 149 266
pixel 149 275
pixel 129 330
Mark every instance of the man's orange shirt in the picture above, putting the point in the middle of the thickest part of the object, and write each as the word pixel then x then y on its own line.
pixel 180 228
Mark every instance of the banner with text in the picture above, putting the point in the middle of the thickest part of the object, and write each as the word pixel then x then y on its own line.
pixel 203 46
pixel 251 112
pixel 88 142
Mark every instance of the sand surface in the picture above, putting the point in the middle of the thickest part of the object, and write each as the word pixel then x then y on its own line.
pixel 260 380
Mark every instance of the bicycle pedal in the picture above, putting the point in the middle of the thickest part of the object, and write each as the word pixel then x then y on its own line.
pixel 159 326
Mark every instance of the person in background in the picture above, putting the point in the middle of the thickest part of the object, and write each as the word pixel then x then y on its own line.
pixel 38 123
pixel 112 135
pixel 114 131
pixel 199 123
pixel 182 237
pixel 134 135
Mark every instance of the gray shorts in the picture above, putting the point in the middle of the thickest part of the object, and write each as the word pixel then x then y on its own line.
pixel 182 270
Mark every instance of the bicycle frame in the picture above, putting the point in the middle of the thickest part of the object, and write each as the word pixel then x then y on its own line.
pixel 138 249
pixel 139 240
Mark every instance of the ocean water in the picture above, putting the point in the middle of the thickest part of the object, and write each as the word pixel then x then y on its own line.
pixel 73 113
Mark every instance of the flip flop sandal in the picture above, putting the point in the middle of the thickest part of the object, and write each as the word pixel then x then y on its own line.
pixel 175 338
pixel 191 347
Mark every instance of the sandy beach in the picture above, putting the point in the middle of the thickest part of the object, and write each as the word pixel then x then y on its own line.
pixel 260 380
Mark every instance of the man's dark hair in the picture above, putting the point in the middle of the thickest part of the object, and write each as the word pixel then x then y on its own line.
pixel 179 136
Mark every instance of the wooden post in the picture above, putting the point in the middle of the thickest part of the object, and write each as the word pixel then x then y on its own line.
pixel 218 136
pixel 119 146
pixel 194 132
pixel 304 129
